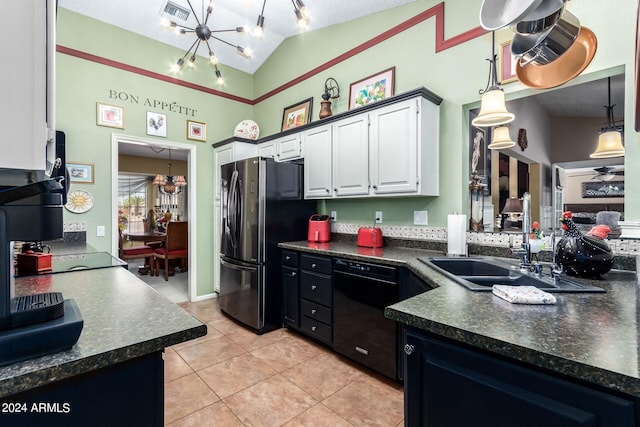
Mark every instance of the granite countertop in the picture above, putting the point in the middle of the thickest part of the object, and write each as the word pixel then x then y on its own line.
pixel 124 318
pixel 590 337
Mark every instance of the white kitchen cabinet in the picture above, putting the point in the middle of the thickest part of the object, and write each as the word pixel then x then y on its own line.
pixel 282 149
pixel 404 148
pixel 27 116
pixel 317 163
pixel 350 156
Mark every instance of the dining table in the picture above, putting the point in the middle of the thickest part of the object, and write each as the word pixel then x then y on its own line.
pixel 145 236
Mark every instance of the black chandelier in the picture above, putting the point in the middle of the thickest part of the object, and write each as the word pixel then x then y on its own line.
pixel 203 35
pixel 170 184
pixel 299 9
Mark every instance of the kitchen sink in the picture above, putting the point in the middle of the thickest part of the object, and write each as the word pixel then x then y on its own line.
pixel 481 273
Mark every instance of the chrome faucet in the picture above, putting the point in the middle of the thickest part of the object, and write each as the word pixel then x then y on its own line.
pixel 556 269
pixel 525 250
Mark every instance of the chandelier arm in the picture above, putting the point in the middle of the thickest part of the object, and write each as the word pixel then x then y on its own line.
pixel 263 4
pixel 194 12
pixel 186 29
pixel 209 47
pixel 235 30
pixel 224 41
pixel 189 50
pixel 209 10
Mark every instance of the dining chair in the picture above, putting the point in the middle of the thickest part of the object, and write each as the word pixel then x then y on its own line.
pixel 176 247
pixel 136 252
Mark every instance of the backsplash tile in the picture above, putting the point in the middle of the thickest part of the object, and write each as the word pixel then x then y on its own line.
pixel 620 247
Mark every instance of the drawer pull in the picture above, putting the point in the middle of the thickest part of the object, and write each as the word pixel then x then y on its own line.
pixel 287 257
pixel 313 311
pixel 313 328
pixel 313 287
pixel 293 274
pixel 314 265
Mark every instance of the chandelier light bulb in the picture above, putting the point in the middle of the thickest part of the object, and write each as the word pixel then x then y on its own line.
pixel 212 58
pixel 166 23
pixel 303 9
pixel 220 80
pixel 192 61
pixel 258 31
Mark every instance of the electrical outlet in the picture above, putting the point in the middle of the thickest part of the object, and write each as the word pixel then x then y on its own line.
pixel 100 231
pixel 420 218
pixel 378 217
pixel 334 216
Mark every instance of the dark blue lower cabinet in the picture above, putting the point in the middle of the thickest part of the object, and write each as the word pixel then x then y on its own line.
pixel 448 385
pixel 129 393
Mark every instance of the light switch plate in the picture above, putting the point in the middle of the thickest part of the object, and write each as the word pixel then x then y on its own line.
pixel 420 218
pixel 334 216
pixel 100 231
pixel 378 217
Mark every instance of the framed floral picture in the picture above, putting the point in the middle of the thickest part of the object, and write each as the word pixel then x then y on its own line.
pixel 297 114
pixel 109 115
pixel 156 124
pixel 371 89
pixel 196 131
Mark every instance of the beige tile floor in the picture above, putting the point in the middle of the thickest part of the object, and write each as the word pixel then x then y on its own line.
pixel 233 377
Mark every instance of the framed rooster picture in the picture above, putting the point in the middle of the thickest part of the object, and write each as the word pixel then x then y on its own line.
pixel 156 124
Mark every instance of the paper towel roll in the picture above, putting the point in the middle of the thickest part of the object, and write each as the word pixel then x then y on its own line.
pixel 457 235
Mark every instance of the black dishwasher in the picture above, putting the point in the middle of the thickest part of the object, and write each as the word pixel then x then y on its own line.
pixel 361 291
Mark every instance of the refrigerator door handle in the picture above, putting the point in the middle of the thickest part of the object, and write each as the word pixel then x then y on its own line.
pixel 235 266
pixel 232 209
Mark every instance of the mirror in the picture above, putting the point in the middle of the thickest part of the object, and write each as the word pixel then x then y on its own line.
pixel 561 128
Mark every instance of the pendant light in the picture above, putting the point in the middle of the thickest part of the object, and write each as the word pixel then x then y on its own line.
pixel 501 138
pixel 610 138
pixel 493 111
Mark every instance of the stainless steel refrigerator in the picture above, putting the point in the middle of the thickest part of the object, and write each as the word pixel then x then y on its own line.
pixel 262 205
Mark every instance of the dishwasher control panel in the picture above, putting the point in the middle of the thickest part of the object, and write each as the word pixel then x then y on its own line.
pixel 381 272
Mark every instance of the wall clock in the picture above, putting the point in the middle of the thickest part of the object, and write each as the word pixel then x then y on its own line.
pixel 79 201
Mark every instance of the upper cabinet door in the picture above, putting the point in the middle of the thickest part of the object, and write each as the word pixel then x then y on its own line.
pixel 394 148
pixel 351 156
pixel 317 163
pixel 288 148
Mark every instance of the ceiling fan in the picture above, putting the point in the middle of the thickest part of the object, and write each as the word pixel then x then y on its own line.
pixel 607 173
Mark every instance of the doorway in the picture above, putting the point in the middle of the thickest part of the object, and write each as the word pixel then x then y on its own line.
pixel 149 145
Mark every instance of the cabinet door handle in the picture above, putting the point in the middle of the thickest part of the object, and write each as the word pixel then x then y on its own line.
pixel 313 328
pixel 375 187
pixel 335 190
pixel 313 287
pixel 287 257
pixel 313 311
pixel 327 190
pixel 408 349
pixel 314 265
pixel 293 274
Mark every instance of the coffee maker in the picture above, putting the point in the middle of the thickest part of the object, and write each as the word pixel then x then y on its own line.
pixel 38 324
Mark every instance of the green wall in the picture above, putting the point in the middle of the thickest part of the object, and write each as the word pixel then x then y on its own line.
pixel 456 74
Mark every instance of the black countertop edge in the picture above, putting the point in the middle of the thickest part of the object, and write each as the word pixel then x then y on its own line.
pixel 422 91
pixel 30 380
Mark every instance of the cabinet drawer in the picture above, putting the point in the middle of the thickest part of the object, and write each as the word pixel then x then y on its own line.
pixel 290 258
pixel 316 287
pixel 316 311
pixel 315 263
pixel 317 329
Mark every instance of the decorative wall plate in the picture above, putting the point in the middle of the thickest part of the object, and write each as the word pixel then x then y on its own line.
pixel 79 201
pixel 247 129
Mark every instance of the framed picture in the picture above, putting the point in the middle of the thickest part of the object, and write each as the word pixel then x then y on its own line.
pixel 478 152
pixel 156 124
pixel 297 114
pixel 372 89
pixel 80 172
pixel 592 189
pixel 109 115
pixel 196 131
pixel 506 63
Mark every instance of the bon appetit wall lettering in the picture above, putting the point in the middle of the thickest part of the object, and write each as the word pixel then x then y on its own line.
pixel 152 103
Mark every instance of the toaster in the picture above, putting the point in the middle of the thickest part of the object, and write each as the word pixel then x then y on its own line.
pixel 370 237
pixel 319 228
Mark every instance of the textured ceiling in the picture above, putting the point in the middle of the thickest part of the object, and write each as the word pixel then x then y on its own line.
pixel 143 17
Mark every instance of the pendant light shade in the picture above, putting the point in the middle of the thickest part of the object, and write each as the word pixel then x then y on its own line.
pixel 610 138
pixel 501 138
pixel 609 145
pixel 493 111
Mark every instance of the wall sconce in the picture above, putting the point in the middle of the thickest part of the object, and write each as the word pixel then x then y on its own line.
pixel 493 111
pixel 476 190
pixel 331 91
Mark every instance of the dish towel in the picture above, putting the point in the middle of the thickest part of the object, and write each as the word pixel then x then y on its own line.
pixel 523 294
